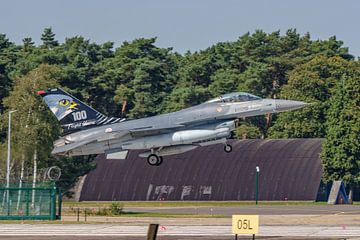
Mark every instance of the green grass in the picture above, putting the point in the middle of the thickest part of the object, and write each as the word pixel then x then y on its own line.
pixel 168 215
pixel 185 203
pixel 99 211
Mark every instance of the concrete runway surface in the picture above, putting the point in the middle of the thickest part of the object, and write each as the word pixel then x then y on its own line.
pixel 277 222
pixel 166 238
pixel 17 231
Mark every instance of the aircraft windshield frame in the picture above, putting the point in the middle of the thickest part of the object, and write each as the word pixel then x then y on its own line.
pixel 236 97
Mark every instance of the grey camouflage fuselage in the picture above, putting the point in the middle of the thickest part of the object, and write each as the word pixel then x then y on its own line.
pixel 209 123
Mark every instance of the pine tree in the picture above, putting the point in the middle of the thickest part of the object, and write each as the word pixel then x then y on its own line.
pixel 27 44
pixel 48 38
pixel 8 58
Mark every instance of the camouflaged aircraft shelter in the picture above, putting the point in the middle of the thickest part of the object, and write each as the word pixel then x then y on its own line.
pixel 289 170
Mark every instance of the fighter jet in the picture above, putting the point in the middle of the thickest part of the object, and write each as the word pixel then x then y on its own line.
pixel 87 131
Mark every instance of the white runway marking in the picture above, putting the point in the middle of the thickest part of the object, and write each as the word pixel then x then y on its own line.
pixel 125 230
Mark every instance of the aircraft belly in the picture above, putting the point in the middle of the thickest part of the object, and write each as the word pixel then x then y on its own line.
pixel 176 138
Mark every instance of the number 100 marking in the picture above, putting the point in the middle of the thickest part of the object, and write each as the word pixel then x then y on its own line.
pixel 79 115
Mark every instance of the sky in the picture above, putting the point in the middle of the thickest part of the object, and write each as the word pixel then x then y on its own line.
pixel 181 24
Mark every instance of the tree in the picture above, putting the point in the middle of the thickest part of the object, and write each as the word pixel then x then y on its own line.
pixel 311 82
pixel 184 97
pixel 8 58
pixel 247 131
pixel 71 169
pixel 48 38
pixel 34 127
pixel 28 44
pixel 144 71
pixel 224 81
pixel 341 149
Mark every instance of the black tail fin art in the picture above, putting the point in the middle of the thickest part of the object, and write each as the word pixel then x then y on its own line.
pixel 73 114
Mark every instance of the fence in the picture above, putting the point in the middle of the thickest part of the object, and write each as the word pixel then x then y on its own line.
pixel 23 201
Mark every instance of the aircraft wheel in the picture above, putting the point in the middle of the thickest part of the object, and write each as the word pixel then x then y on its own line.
pixel 160 161
pixel 153 160
pixel 228 148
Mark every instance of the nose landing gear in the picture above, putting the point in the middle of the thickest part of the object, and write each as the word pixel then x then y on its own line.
pixel 228 148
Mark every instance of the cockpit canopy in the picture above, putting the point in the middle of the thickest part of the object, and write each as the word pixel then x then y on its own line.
pixel 235 97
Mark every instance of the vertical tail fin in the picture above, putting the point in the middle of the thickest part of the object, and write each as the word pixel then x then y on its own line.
pixel 73 114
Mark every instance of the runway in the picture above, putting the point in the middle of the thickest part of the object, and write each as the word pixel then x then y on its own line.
pixel 276 222
pixel 103 230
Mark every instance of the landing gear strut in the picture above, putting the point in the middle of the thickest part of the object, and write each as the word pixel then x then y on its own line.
pixel 228 148
pixel 154 160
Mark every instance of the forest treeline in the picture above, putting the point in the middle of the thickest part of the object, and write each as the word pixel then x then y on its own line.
pixel 139 79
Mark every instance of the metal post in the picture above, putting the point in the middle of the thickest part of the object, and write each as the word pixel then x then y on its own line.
pixel 59 204
pixel 20 183
pixel 78 214
pixel 27 202
pixel 257 185
pixel 236 237
pixel 53 200
pixel 152 231
pixel 8 202
pixel 253 236
pixel 8 159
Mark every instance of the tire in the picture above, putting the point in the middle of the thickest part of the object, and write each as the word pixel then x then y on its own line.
pixel 160 161
pixel 228 148
pixel 153 160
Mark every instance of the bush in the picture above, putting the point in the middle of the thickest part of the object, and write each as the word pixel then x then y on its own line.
pixel 116 208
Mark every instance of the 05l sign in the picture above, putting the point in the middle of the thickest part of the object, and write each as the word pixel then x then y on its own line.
pixel 245 224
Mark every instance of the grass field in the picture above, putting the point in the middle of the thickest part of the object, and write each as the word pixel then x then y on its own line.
pixel 103 208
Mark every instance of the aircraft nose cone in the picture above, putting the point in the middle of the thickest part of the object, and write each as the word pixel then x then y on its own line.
pixel 285 105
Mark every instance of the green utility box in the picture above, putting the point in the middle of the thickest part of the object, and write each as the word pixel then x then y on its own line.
pixel 22 201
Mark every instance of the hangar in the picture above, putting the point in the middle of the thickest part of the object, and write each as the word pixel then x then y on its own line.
pixel 290 169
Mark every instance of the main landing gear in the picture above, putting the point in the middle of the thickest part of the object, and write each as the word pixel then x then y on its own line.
pixel 228 148
pixel 154 160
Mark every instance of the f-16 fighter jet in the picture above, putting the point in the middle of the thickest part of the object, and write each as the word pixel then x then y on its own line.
pixel 87 131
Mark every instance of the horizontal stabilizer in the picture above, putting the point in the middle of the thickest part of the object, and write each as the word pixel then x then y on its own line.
pixel 62 150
